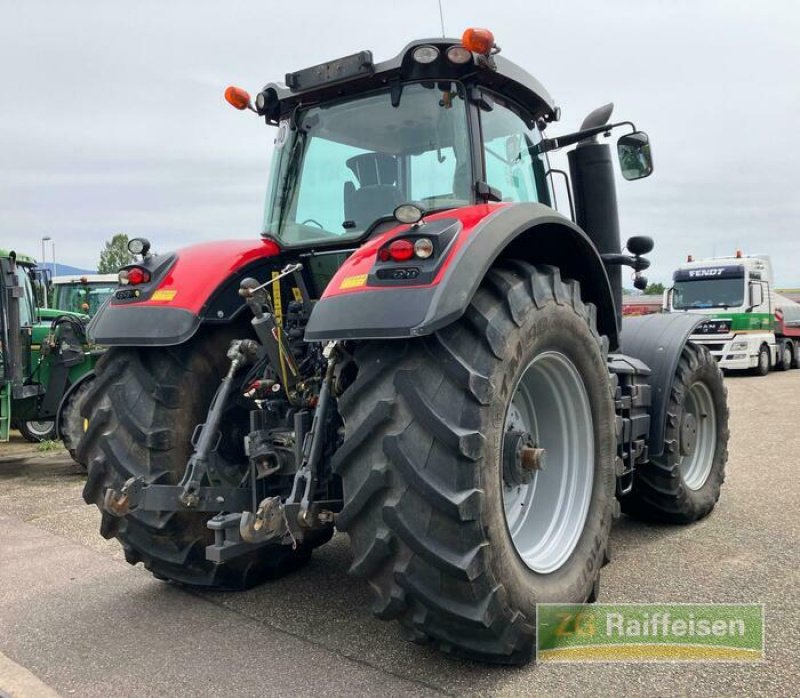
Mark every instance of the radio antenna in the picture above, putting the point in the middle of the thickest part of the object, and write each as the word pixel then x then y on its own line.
pixel 441 18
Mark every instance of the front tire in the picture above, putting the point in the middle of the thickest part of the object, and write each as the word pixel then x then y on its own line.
pixel 764 361
pixel 37 431
pixel 683 485
pixel 427 424
pixel 143 408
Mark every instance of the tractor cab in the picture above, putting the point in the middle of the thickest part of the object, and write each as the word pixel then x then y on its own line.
pixel 445 124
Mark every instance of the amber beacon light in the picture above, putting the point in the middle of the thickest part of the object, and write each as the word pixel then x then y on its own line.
pixel 238 98
pixel 479 41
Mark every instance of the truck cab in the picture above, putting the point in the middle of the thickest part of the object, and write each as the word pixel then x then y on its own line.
pixel 82 294
pixel 736 294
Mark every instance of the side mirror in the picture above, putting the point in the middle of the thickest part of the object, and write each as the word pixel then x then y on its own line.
pixel 635 157
pixel 756 295
pixel 639 245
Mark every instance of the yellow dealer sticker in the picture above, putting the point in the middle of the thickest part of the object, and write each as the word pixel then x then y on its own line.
pixel 354 281
pixel 164 295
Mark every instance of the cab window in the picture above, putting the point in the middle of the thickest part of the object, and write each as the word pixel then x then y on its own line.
pixel 26 303
pixel 512 166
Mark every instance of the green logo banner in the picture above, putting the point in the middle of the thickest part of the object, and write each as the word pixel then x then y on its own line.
pixel 650 632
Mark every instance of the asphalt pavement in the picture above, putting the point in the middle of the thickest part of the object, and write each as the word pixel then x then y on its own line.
pixel 75 619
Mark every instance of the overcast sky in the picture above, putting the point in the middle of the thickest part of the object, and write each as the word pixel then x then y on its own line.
pixel 112 117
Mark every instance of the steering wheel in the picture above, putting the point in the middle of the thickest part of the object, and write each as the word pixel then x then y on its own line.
pixel 311 220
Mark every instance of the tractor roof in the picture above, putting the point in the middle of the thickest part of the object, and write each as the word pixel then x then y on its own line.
pixel 21 258
pixel 356 74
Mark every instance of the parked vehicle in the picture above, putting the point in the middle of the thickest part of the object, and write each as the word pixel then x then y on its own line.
pixel 82 294
pixel 420 351
pixel 749 325
pixel 46 364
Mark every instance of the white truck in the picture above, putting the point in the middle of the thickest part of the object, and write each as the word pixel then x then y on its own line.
pixel 750 326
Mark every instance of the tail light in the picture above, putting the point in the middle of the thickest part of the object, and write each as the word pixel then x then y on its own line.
pixel 133 276
pixel 401 250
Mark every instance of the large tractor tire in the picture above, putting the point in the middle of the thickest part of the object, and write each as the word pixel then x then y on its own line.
pixel 456 530
pixel 683 485
pixel 73 424
pixel 143 408
pixel 36 431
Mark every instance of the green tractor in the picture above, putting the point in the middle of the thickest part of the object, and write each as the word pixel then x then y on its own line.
pixel 46 364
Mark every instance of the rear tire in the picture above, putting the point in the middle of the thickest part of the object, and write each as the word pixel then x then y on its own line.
pixel 144 405
pixel 683 485
pixel 787 356
pixel 425 478
pixel 73 424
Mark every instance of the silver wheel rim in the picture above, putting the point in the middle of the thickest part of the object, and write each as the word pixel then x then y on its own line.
pixel 698 455
pixel 39 429
pixel 787 356
pixel 763 359
pixel 546 516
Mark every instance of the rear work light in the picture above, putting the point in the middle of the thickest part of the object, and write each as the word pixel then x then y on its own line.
pixel 134 276
pixel 425 54
pixel 459 55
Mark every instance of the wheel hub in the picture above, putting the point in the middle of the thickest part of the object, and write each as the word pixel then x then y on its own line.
pixel 698 436
pixel 521 458
pixel 688 434
pixel 546 507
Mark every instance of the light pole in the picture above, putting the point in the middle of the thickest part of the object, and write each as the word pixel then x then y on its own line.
pixel 44 239
pixel 55 264
pixel 44 273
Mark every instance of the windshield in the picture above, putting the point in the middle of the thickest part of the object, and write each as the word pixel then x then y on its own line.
pixel 82 298
pixel 350 164
pixel 27 302
pixel 708 293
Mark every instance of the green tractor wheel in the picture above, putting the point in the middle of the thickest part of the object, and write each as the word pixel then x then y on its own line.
pixel 37 431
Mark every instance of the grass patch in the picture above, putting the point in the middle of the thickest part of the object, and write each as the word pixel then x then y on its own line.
pixel 47 445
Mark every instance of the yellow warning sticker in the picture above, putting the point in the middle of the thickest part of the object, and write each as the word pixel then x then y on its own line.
pixel 354 281
pixel 297 295
pixel 276 297
pixel 164 295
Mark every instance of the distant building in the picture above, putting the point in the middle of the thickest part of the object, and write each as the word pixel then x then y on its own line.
pixel 641 305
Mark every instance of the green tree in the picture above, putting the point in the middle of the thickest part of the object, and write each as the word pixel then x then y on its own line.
pixel 115 255
pixel 654 289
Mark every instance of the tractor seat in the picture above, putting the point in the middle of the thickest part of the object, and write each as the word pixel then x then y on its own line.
pixel 366 204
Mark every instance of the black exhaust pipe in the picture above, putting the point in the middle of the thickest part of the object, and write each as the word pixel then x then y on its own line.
pixel 595 194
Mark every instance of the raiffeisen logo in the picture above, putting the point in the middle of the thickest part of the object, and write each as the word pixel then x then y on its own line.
pixel 695 273
pixel 650 632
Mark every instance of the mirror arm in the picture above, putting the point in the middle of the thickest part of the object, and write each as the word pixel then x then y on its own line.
pixel 623 260
pixel 549 144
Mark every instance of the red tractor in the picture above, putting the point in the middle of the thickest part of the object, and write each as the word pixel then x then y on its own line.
pixel 419 351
